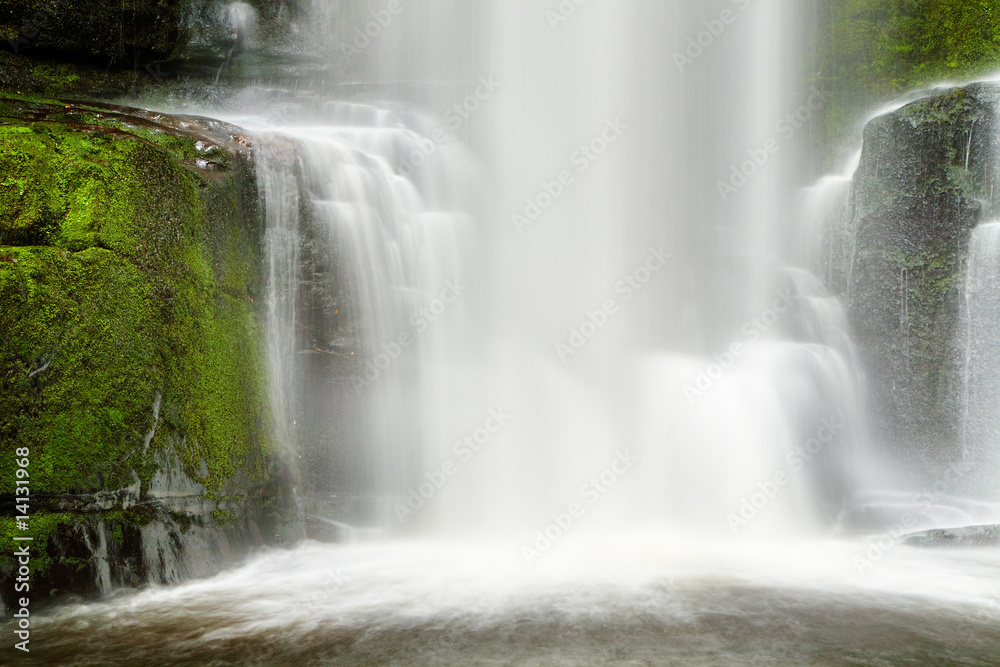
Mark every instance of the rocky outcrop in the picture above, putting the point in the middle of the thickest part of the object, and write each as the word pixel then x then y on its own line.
pixel 104 32
pixel 972 536
pixel 132 363
pixel 927 177
pixel 133 46
pixel 122 33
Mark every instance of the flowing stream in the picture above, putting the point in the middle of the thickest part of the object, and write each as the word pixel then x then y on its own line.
pixel 568 399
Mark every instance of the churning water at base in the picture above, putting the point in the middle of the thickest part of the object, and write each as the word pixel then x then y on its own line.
pixel 623 599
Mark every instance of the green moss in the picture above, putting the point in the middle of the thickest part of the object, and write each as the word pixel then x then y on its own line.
pixel 138 516
pixel 86 319
pixel 182 521
pixel 224 517
pixel 76 80
pixel 129 276
pixel 871 51
pixel 183 147
pixel 29 211
pixel 40 528
pixel 43 526
pixel 78 563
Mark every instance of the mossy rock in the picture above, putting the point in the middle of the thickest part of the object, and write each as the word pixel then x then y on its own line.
pixel 927 177
pixel 128 273
pixel 130 332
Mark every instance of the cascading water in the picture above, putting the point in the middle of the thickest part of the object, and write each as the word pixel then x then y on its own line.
pixel 981 428
pixel 826 240
pixel 367 277
pixel 566 303
pixel 597 405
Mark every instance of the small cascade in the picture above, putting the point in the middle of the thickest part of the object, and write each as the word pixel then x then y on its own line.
pixel 241 19
pixel 774 416
pixel 769 444
pixel 97 543
pixel 892 282
pixel 817 316
pixel 981 427
pixel 368 237
pixel 825 240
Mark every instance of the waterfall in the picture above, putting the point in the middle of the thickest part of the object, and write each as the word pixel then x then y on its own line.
pixel 825 241
pixel 369 237
pixel 981 427
pixel 600 318
pixel 560 359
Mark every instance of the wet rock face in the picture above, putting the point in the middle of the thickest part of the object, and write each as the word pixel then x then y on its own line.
pixel 193 36
pixel 132 361
pixel 972 536
pixel 95 48
pixel 927 178
pixel 116 34
pixel 94 29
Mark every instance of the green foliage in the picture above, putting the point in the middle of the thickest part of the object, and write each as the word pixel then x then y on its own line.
pixel 871 51
pixel 40 528
pixel 224 517
pixel 938 38
pixel 887 46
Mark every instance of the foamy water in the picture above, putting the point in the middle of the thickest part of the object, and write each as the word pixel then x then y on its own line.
pixel 587 598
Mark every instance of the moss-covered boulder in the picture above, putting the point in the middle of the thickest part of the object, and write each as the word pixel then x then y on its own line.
pixel 132 366
pixel 927 177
